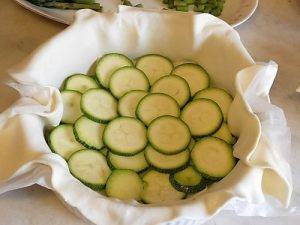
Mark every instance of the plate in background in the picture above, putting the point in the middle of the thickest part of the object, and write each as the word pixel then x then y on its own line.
pixel 235 12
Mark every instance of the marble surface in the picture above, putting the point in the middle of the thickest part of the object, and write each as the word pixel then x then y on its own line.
pixel 273 33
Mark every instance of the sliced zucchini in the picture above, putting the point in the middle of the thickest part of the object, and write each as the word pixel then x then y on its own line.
pixel 168 135
pixel 191 144
pixel 155 105
pixel 108 64
pixel 71 105
pixel 80 83
pixel 136 163
pixel 90 167
pixel 89 133
pixel 195 76
pixel 213 157
pixel 154 66
pixel 167 163
pixel 62 141
pixel 125 136
pixel 188 181
pixel 224 134
pixel 99 105
pixel 158 189
pixel 218 95
pixel 127 79
pixel 203 116
pixel 124 185
pixel 174 86
pixel 128 102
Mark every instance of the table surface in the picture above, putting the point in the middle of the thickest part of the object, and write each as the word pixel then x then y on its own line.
pixel 273 33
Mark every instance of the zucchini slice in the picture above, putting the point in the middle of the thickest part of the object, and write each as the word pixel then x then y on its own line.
pixel 195 76
pixel 125 136
pixel 167 163
pixel 174 86
pixel 128 102
pixel 168 135
pixel 127 79
pixel 71 106
pixel 155 105
pixel 62 141
pixel 218 95
pixel 154 66
pixel 124 185
pixel 224 134
pixel 90 167
pixel 80 83
pixel 136 163
pixel 108 64
pixel 188 181
pixel 89 133
pixel 213 158
pixel 99 105
pixel 203 116
pixel 158 189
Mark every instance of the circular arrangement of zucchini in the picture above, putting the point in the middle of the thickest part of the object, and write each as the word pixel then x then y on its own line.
pixel 148 131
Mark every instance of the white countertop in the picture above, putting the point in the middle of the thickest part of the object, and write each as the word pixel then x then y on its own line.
pixel 273 33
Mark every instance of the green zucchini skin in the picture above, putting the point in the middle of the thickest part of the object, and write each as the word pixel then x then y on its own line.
pixel 186 189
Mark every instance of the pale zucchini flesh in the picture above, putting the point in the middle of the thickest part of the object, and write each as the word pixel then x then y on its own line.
pixel 71 106
pixel 99 105
pixel 154 66
pixel 80 83
pixel 167 163
pixel 203 117
pixel 153 106
pixel 218 95
pixel 136 162
pixel 89 133
pixel 225 134
pixel 127 79
pixel 195 76
pixel 62 141
pixel 168 134
pixel 90 167
pixel 158 189
pixel 213 158
pixel 125 136
pixel 174 86
pixel 124 185
pixel 108 64
pixel 128 103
